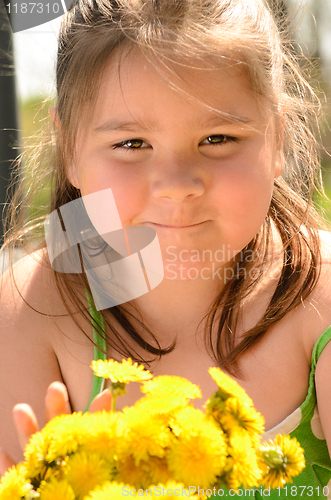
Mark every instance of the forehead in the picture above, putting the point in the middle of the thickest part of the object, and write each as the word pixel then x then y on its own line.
pixel 141 89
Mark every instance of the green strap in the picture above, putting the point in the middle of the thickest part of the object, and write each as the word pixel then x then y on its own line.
pixel 321 343
pixel 100 347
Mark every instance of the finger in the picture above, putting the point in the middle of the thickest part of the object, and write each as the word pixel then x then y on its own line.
pixel 5 462
pixel 25 422
pixel 101 402
pixel 56 401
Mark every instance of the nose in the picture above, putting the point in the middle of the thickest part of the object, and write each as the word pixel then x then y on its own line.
pixel 177 180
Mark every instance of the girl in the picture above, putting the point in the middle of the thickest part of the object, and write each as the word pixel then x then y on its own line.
pixel 196 115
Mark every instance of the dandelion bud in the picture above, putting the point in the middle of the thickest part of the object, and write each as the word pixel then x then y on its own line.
pixel 272 457
pixel 117 389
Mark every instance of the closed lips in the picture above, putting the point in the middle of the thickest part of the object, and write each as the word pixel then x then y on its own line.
pixel 175 226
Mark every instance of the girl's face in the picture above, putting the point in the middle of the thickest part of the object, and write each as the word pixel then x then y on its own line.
pixel 203 181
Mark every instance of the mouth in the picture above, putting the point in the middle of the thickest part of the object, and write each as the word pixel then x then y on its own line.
pixel 174 226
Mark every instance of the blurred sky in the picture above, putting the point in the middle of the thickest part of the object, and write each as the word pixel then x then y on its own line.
pixel 35 48
pixel 35 57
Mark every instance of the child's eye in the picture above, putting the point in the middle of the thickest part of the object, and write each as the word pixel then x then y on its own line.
pixel 131 144
pixel 218 139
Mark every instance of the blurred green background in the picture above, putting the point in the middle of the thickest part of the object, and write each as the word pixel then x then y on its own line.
pixel 33 112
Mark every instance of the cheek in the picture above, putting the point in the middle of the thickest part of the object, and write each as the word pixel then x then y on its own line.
pixel 243 191
pixel 128 190
pixel 130 201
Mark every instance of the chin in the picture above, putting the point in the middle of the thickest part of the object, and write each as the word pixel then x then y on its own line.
pixel 193 271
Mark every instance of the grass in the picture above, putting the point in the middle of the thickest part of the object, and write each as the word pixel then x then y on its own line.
pixel 324 205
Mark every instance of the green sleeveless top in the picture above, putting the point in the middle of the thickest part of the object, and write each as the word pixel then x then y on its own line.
pixel 303 424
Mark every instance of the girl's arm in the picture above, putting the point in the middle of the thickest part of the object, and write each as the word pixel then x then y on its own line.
pixel 320 310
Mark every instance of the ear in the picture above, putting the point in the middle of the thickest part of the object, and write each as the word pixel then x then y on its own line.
pixel 279 164
pixel 72 176
pixel 54 115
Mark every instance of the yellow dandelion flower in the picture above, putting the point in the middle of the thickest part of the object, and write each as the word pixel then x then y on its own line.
pixel 130 473
pixel 215 406
pixel 197 457
pixel 228 387
pixel 85 471
pixel 293 455
pixel 13 484
pixel 151 472
pixel 171 489
pixel 157 470
pixel 35 454
pixel 171 385
pixel 123 372
pixel 281 459
pixel 162 405
pixel 55 489
pixel 191 420
pixel 195 461
pixel 274 478
pixel 114 490
pixel 102 434
pixel 238 415
pixel 242 465
pixel 143 435
pixel 67 433
pixel 229 478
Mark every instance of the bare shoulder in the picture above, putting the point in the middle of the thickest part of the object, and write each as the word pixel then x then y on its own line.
pixel 33 312
pixel 325 239
pixel 315 312
pixel 23 272
pixel 28 292
pixel 24 312
pixel 21 286
pixel 321 295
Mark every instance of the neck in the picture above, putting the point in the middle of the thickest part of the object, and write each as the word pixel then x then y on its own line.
pixel 177 306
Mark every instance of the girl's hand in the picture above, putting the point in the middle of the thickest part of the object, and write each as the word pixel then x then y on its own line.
pixel 56 403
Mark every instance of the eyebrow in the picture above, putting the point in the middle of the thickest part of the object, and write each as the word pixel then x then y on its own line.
pixel 114 124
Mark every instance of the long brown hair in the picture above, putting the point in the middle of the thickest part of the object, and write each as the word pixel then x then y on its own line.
pixel 171 30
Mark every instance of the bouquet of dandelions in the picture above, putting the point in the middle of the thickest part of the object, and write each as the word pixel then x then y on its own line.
pixel 161 446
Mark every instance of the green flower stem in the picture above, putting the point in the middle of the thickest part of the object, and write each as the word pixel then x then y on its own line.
pixel 116 389
pixel 113 403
